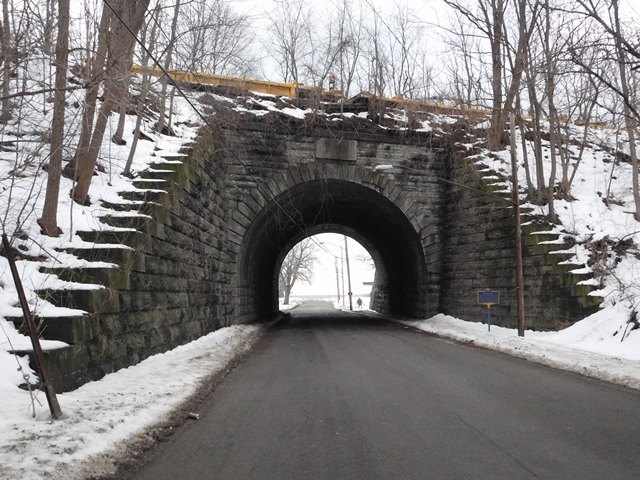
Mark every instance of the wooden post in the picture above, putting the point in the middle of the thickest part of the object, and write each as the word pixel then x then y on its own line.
pixel 41 361
pixel 518 233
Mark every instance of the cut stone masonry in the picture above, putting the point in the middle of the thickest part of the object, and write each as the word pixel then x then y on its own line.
pixel 198 244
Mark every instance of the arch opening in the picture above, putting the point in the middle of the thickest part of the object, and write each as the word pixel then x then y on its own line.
pixel 336 206
pixel 326 266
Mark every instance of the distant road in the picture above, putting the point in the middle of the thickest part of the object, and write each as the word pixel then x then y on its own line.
pixel 343 396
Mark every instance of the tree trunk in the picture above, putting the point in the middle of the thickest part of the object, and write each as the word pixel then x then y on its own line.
pixel 565 161
pixel 536 113
pixel 123 100
pixel 550 87
pixel 49 221
pixel 117 137
pixel 172 96
pixel 583 144
pixel 523 144
pixel 144 90
pixel 525 29
pixel 7 56
pixel 94 74
pixel 48 28
pixel 525 156
pixel 287 292
pixel 496 130
pixel 629 120
pixel 120 44
pixel 160 125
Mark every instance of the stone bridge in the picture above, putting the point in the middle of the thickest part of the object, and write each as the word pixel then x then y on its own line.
pixel 219 220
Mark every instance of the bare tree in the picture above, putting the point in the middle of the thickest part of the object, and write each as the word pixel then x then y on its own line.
pixel 463 64
pixel 376 55
pixel 48 221
pixel 164 81
pixel 214 38
pixel 624 55
pixel 534 66
pixel 290 25
pixel 48 26
pixel 629 120
pixel 489 19
pixel 128 18
pixel 93 73
pixel 549 89
pixel 588 93
pixel 297 267
pixel 324 52
pixel 144 87
pixel 404 47
pixel 350 33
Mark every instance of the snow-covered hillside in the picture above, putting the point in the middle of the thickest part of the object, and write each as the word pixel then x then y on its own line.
pixel 599 221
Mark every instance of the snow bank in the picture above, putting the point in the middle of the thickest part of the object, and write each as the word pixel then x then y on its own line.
pixel 591 347
pixel 102 414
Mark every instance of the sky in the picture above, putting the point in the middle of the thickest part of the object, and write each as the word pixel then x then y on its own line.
pixel 426 11
pixel 324 272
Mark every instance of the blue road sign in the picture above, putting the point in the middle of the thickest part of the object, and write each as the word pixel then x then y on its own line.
pixel 488 297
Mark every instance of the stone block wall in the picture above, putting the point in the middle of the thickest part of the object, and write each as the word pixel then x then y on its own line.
pixel 189 259
pixel 479 253
pixel 171 283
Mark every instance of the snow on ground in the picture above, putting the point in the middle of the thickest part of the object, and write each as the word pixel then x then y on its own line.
pixel 599 219
pixel 294 301
pixel 591 347
pixel 101 415
pixel 23 184
pixel 601 210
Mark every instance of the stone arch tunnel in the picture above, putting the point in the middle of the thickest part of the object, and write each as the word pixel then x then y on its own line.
pixel 219 221
pixel 339 206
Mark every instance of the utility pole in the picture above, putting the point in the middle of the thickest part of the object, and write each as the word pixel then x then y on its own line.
pixel 518 232
pixel 346 254
pixel 342 273
pixel 335 260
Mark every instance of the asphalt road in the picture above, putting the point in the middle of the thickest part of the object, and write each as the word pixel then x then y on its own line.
pixel 344 396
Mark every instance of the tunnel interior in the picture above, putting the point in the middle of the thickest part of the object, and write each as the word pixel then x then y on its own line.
pixel 335 206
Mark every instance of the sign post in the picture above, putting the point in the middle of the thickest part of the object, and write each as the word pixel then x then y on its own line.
pixel 488 298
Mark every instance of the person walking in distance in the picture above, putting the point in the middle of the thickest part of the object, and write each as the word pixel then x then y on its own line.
pixel 359 302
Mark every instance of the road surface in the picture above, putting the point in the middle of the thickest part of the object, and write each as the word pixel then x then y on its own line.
pixel 343 396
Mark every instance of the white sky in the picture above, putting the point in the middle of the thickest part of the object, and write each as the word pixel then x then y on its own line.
pixel 427 11
pixel 324 272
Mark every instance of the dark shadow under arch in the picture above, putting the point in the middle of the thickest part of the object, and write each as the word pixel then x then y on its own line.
pixel 335 206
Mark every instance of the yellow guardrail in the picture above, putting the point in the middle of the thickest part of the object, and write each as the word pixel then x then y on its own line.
pixel 292 90
pixel 295 90
pixel 183 76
